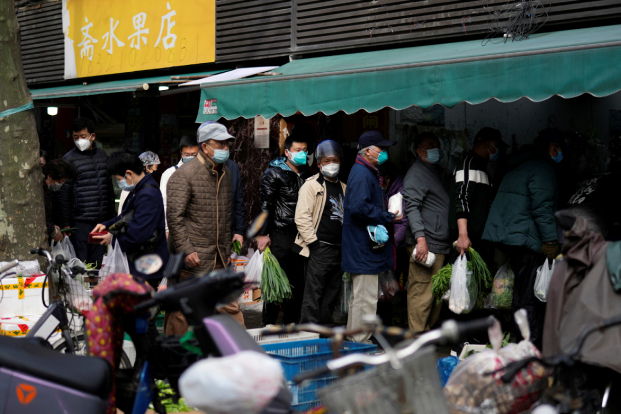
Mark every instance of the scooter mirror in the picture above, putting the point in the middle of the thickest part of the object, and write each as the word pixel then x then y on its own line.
pixel 257 224
pixel 149 264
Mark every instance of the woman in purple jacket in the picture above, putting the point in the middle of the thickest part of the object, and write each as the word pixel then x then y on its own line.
pixel 391 182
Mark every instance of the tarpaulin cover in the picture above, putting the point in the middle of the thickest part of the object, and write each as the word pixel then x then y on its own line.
pixel 97 88
pixel 566 63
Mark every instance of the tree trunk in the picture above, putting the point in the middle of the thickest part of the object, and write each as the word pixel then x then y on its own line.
pixel 22 214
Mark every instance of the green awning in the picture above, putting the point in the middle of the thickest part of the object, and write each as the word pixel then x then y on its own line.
pixel 98 88
pixel 567 63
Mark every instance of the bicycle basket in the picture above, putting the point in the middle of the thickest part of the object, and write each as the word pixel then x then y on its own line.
pixel 377 391
pixel 74 295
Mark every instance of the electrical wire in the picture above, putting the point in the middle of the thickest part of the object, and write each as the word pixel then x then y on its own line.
pixel 516 20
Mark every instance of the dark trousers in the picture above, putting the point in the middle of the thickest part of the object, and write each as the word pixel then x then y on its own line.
pixel 524 263
pixel 293 265
pixel 87 252
pixel 323 281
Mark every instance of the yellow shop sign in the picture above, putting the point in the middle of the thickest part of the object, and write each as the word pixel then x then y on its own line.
pixel 117 36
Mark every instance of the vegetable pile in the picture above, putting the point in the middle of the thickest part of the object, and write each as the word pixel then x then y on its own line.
pixel 441 282
pixel 166 394
pixel 275 285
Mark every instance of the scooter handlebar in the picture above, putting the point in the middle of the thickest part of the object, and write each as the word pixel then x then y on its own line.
pixel 9 266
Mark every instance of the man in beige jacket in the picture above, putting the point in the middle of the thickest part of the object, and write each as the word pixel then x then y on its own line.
pixel 199 213
pixel 319 219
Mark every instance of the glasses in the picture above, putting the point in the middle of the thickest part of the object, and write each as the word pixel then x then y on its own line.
pixel 83 136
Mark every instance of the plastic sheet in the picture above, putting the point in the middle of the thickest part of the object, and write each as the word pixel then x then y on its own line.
pixel 445 367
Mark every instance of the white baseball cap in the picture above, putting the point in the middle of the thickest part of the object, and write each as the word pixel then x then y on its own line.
pixel 213 130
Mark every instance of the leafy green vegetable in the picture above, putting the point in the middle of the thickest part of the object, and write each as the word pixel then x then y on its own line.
pixel 166 392
pixel 275 285
pixel 441 282
pixel 237 247
pixel 480 271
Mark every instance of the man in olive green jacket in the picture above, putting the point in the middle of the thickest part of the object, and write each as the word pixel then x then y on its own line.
pixel 319 219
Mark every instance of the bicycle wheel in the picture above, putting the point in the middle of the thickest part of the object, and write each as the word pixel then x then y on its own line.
pixel 80 349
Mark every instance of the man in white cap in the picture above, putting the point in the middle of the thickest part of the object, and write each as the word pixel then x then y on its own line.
pixel 199 197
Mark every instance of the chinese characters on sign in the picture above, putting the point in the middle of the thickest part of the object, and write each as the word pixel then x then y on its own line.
pixel 210 107
pixel 137 35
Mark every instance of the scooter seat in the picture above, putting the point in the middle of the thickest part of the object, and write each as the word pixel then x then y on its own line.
pixel 91 375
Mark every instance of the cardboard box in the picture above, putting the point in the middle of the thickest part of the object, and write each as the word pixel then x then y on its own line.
pixel 250 296
pixel 22 296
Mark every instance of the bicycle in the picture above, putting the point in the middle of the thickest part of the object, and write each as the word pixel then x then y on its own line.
pixel 67 309
pixel 405 379
pixel 572 389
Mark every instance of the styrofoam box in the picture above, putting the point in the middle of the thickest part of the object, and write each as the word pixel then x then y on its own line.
pixel 274 339
pixel 17 326
pixel 30 304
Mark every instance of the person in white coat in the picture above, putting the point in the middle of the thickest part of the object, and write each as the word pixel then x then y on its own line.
pixel 188 147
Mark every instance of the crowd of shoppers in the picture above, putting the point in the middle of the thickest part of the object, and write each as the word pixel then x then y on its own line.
pixel 318 227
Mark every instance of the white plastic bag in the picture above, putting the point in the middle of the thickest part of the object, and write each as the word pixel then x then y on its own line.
pixel 544 274
pixel 464 289
pixel 241 383
pixel 116 262
pixel 254 268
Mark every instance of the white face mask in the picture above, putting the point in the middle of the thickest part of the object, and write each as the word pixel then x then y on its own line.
pixel 331 170
pixel 83 143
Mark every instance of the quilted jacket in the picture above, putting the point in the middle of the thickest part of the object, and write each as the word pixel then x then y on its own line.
pixel 89 196
pixel 198 211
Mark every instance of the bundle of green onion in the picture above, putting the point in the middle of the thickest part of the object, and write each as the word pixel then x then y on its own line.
pixel 275 285
pixel 481 273
pixel 441 282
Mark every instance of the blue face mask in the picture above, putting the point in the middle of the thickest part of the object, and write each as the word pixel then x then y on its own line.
pixel 378 234
pixel 382 157
pixel 493 157
pixel 558 157
pixel 124 186
pixel 298 158
pixel 188 159
pixel 433 155
pixel 220 156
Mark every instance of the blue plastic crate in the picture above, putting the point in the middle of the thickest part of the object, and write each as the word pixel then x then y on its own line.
pixel 301 356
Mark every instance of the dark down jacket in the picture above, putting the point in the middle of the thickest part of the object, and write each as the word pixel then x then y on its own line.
pixel 279 196
pixel 89 196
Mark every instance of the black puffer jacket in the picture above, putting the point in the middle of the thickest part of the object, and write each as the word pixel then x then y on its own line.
pixel 279 196
pixel 89 196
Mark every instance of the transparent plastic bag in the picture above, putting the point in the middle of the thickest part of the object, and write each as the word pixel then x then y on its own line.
pixel 254 268
pixel 501 296
pixel 544 274
pixel 464 289
pixel 388 286
pixel 64 248
pixel 116 262
pixel 471 389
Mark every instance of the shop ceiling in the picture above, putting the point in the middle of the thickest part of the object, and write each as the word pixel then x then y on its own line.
pixel 567 63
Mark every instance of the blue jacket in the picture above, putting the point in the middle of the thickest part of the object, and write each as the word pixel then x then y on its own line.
pixel 148 207
pixel 364 206
pixel 238 212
